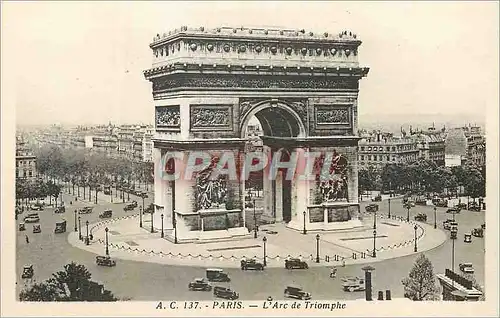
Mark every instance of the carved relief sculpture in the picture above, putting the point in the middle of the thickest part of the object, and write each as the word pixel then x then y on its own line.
pixel 168 116
pixel 338 115
pixel 210 193
pixel 211 116
pixel 333 187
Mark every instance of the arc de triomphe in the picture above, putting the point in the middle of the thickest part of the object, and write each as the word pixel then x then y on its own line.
pixel 301 86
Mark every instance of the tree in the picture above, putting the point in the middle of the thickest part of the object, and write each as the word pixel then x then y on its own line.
pixel 421 282
pixel 71 284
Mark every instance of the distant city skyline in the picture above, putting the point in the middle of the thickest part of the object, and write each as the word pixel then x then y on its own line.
pixel 72 64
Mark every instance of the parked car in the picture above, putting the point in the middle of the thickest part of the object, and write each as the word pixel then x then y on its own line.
pixel 106 214
pixel 479 232
pixel 372 207
pixel 441 203
pixel 474 207
pixel 199 284
pixel 37 228
pixel 292 263
pixel 134 203
pixel 128 207
pixel 251 264
pixel 32 218
pixel 352 284
pixel 454 209
pixel 296 292
pixel 421 202
pixel 217 275
pixel 461 206
pixel 226 293
pixel 466 268
pixel 377 198
pixel 36 207
pixel 60 209
pixel 86 210
pixel 60 227
pixel 28 271
pixel 421 217
pixel 105 261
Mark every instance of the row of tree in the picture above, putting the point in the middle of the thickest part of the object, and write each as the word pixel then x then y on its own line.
pixel 425 176
pixel 28 190
pixel 84 168
pixel 72 284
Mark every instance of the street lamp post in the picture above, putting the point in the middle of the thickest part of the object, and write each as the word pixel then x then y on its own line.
pixel 389 201
pixel 162 233
pixel 79 229
pixel 304 231
pixel 254 221
pixel 375 220
pixel 152 228
pixel 140 216
pixel 408 215
pixel 87 242
pixel 317 248
pixel 415 249
pixel 143 201
pixel 374 254
pixel 111 194
pixel 175 227
pixel 435 224
pixel 107 248
pixel 264 239
pixel 76 229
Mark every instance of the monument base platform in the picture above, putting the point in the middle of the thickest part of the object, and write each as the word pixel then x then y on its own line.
pixel 322 226
pixel 210 236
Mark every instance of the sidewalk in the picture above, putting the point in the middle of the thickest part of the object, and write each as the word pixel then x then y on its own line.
pixel 394 239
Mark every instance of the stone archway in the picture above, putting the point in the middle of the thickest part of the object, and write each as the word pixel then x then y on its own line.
pixel 304 91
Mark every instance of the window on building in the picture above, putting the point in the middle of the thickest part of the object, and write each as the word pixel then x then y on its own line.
pixel 369 148
pixel 30 173
pixel 388 158
pixel 362 148
pixel 362 157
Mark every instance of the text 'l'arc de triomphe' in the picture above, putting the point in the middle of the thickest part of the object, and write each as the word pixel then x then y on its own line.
pixel 302 87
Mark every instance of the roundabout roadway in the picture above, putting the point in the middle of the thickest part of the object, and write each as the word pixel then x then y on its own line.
pixel 49 252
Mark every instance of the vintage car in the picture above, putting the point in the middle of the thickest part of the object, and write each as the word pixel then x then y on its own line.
pixel 466 268
pixel 37 228
pixel 378 198
pixel 217 275
pixel 60 209
pixel 86 210
pixel 150 209
pixel 352 284
pixel 128 207
pixel 467 238
pixel 247 264
pixel 474 207
pixel 106 214
pixel 36 207
pixel 296 292
pixel 134 204
pixel 421 217
pixel 22 227
pixel 28 271
pixel 105 261
pixel 372 207
pixel 454 209
pixel 199 284
pixel 461 206
pixel 226 293
pixel 142 194
pixel 291 263
pixel 479 232
pixel 447 224
pixel 421 202
pixel 453 231
pixel 60 227
pixel 441 203
pixel 32 218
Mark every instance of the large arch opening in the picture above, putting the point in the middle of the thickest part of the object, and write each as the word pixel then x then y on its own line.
pixel 263 197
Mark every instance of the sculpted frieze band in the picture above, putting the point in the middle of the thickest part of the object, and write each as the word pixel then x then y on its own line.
pixel 211 116
pixel 333 115
pixel 168 116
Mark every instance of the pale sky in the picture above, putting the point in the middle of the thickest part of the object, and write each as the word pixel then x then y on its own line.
pixel 82 62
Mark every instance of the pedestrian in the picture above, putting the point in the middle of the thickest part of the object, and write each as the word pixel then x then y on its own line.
pixel 333 272
pixel 27 239
pixel 70 202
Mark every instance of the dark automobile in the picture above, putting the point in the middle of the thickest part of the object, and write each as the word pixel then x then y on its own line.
pixel 421 202
pixel 217 275
pixel 106 214
pixel 199 284
pixel 150 208
pixel 441 203
pixel 60 209
pixel 454 209
pixel 129 207
pixel 296 292
pixel 134 204
pixel 372 207
pixel 479 232
pixel 474 207
pixel 60 227
pixel 37 228
pixel 378 198
pixel 247 264
pixel 105 261
pixel 28 271
pixel 86 210
pixel 226 293
pixel 421 217
pixel 292 263
pixel 32 218
pixel 462 206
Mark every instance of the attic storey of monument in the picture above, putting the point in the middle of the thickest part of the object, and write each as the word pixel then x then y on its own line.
pixel 303 89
